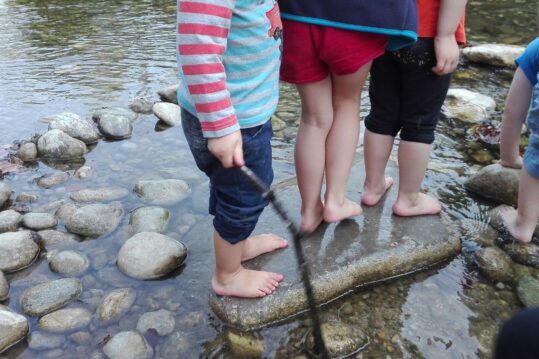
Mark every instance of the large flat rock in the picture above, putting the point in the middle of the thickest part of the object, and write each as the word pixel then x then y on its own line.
pixel 372 248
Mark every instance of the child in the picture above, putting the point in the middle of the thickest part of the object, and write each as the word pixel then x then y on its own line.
pixel 407 90
pixel 328 49
pixel 523 91
pixel 229 57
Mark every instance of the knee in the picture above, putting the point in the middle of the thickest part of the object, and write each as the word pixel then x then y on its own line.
pixel 419 131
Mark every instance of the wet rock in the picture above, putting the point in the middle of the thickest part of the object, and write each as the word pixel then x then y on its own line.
pixel 52 237
pixel 169 191
pixel 81 338
pixel 17 250
pixel 468 106
pixel 169 94
pixel 52 179
pixel 99 194
pixel 27 197
pixel 244 345
pixel 528 291
pixel 495 264
pixel 27 152
pixel 142 103
pixel 65 211
pixel 47 297
pixel 115 127
pixel 45 341
pixel 4 287
pixel 169 113
pixel 58 145
pixel 74 126
pixel 496 183
pixel 39 221
pixel 149 255
pixel 13 328
pixel 277 124
pixel 128 345
pixel 149 219
pixel 83 172
pixel 5 193
pixel 527 254
pixel 493 54
pixel 162 321
pixel 175 344
pixel 65 320
pixel 9 220
pixel 114 111
pixel 49 207
pixel 115 304
pixel 69 263
pixel 340 338
pixel 95 220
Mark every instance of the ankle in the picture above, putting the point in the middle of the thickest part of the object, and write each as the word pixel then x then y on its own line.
pixel 224 277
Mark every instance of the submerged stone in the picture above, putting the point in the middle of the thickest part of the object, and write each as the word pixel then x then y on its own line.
pixel 496 183
pixel 13 328
pixel 115 304
pixel 17 250
pixel 47 297
pixel 371 248
pixel 128 345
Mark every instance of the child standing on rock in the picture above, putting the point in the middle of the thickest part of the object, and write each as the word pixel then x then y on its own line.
pixel 407 90
pixel 228 59
pixel 328 50
pixel 522 103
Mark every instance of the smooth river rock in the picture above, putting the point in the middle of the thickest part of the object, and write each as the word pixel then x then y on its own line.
pixel 74 126
pixel 114 111
pixel 148 219
pixel 366 249
pixel 17 250
pixel 95 220
pixel 65 320
pixel 52 179
pixel 128 345
pixel 38 340
pixel 149 255
pixel 52 237
pixel 169 94
pixel 496 183
pixel 58 145
pixel 528 291
pixel 69 263
pixel 115 304
pixel 99 194
pixel 493 54
pixel 9 220
pixel 115 127
pixel 162 321
pixel 13 328
pixel 39 221
pixel 167 112
pixel 495 264
pixel 4 287
pixel 27 152
pixel 47 297
pixel 468 106
pixel 164 192
pixel 5 193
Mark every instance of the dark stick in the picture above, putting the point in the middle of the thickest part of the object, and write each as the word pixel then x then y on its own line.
pixel 320 350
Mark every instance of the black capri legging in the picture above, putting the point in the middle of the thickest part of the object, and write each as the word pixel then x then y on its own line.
pixel 518 338
pixel 405 94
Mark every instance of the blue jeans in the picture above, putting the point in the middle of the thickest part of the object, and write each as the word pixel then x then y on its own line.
pixel 235 204
pixel 531 156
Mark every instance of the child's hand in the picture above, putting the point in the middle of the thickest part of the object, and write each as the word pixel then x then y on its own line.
pixel 512 163
pixel 228 149
pixel 447 54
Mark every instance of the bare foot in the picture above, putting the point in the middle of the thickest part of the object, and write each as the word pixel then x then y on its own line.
pixel 262 243
pixel 371 196
pixel 421 204
pixel 246 283
pixel 310 220
pixel 508 216
pixel 334 212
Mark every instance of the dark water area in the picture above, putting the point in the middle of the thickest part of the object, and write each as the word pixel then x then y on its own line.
pixel 78 56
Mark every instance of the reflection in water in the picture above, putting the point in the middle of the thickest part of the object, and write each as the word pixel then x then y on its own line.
pixel 77 56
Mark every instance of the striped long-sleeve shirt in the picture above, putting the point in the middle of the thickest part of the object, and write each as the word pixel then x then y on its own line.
pixel 228 61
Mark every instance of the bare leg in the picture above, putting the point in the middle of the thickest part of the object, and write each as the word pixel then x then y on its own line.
pixel 310 153
pixel 521 223
pixel 377 150
pixel 341 144
pixel 413 159
pixel 232 279
pixel 260 244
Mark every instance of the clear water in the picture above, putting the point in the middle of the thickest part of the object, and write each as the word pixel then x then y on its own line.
pixel 77 56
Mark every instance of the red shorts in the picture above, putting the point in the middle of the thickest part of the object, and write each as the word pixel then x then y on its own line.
pixel 312 52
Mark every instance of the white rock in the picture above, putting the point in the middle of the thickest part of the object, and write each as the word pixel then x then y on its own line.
pixel 128 345
pixel 493 54
pixel 13 328
pixel 115 304
pixel 17 250
pixel 167 112
pixel 65 320
pixel 468 106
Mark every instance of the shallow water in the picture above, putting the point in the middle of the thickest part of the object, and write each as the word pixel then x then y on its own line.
pixel 77 56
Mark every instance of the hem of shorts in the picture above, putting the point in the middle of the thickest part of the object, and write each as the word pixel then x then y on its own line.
pixel 301 82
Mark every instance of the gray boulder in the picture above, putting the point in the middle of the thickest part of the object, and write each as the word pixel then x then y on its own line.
pixel 149 219
pixel 69 262
pixel 493 54
pixel 169 94
pixel 115 127
pixel 114 111
pixel 9 220
pixel 13 328
pixel 165 192
pixel 162 321
pixel 167 112
pixel 58 145
pixel 99 194
pixel 496 183
pixel 48 297
pixel 495 264
pixel 128 345
pixel 18 250
pixel 74 126
pixel 27 152
pixel 65 320
pixel 95 220
pixel 39 221
pixel 528 291
pixel 52 179
pixel 468 106
pixel 115 304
